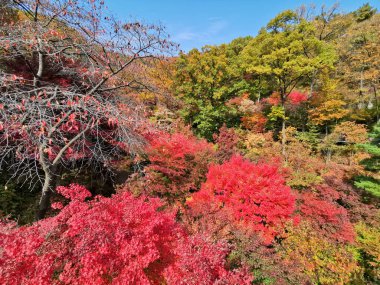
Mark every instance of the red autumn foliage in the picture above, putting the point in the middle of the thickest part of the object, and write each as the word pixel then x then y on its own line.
pixel 200 263
pixel 296 98
pixel 273 99
pixel 64 74
pixel 254 196
pixel 327 217
pixel 227 141
pixel 235 101
pixel 337 188
pixel 117 240
pixel 255 122
pixel 178 165
pixel 74 192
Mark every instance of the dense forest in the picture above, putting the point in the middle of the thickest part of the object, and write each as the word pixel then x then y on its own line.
pixel 126 161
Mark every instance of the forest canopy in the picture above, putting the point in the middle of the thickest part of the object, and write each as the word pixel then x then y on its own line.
pixel 124 160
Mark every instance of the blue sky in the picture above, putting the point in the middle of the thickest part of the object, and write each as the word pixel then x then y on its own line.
pixel 195 23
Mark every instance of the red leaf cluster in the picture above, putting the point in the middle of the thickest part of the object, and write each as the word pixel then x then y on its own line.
pixel 327 217
pixel 118 240
pixel 74 192
pixel 273 99
pixel 178 164
pixel 255 122
pixel 200 263
pixel 227 141
pixel 254 195
pixel 296 98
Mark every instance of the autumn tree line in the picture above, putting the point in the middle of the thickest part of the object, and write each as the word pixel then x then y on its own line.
pixel 125 162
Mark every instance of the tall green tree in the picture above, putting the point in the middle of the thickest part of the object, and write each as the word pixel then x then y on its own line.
pixel 206 80
pixel 371 183
pixel 287 53
pixel 359 66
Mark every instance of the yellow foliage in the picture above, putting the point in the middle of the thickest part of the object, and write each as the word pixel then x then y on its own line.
pixel 261 145
pixel 368 243
pixel 329 111
pixel 352 133
pixel 325 262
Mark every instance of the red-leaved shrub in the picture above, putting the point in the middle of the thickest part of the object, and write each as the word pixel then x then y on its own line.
pixel 117 240
pixel 227 143
pixel 254 196
pixel 296 98
pixel 327 217
pixel 178 165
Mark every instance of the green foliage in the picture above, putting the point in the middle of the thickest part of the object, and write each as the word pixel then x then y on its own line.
pixel 208 119
pixel 276 112
pixel 287 52
pixel 368 241
pixel 283 22
pixel 301 180
pixel 333 60
pixel 310 137
pixel 373 148
pixel 8 199
pixel 206 80
pixel 369 184
pixel 16 201
pixel 364 12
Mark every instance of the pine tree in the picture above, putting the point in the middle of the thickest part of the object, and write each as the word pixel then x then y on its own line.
pixel 371 183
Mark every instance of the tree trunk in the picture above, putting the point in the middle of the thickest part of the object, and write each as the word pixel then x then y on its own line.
pixel 377 104
pixel 350 158
pixel 315 72
pixel 44 203
pixel 283 128
pixel 328 155
pixel 283 142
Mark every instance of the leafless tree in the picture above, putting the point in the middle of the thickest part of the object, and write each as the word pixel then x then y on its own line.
pixel 63 66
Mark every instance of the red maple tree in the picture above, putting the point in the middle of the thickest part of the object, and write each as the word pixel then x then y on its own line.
pixel 254 195
pixel 63 65
pixel 296 98
pixel 178 165
pixel 117 240
pixel 327 217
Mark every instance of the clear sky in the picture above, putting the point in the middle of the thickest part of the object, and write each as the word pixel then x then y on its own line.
pixel 195 23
